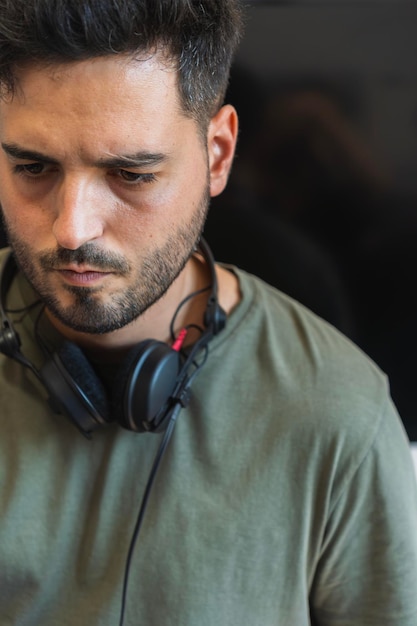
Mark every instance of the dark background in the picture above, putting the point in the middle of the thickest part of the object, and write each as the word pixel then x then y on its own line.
pixel 322 201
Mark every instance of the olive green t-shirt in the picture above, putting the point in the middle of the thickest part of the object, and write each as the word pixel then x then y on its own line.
pixel 286 496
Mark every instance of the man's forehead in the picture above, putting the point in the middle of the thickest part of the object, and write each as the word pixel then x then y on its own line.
pixel 100 112
pixel 113 103
pixel 144 63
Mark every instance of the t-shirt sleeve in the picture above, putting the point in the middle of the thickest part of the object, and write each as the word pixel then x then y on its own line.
pixel 367 571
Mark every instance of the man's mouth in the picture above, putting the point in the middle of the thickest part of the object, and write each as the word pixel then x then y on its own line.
pixel 81 276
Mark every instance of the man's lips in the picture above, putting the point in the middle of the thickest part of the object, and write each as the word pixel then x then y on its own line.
pixel 82 276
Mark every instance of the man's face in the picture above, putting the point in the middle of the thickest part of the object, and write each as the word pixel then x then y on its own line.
pixel 104 186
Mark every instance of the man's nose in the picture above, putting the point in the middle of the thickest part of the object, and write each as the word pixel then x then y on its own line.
pixel 78 212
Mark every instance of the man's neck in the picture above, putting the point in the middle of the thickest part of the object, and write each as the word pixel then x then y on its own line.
pixel 154 323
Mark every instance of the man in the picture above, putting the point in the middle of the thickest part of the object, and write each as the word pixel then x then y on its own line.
pixel 286 495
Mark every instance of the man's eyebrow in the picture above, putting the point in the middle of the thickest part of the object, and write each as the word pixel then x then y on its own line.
pixel 16 152
pixel 139 159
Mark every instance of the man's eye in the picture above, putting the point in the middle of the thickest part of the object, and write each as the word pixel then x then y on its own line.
pixel 135 177
pixel 30 169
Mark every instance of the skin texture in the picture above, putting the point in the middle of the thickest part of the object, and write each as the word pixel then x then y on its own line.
pixel 104 187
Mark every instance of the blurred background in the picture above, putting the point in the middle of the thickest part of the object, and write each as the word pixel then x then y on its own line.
pixel 322 201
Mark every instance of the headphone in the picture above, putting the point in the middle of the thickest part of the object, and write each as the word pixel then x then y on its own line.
pixel 153 381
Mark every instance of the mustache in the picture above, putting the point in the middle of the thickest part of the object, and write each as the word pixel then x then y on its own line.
pixel 87 254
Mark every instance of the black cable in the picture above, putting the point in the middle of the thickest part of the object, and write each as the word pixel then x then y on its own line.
pixel 179 307
pixel 178 396
pixel 25 309
pixel 145 498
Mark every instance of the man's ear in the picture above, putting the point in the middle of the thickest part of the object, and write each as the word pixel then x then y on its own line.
pixel 221 143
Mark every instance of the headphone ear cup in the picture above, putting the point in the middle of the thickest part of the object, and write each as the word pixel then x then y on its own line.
pixel 85 377
pixel 9 341
pixel 9 338
pixel 75 388
pixel 144 385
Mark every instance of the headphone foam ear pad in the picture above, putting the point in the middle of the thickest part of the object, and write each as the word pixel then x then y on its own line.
pixel 83 378
pixel 144 385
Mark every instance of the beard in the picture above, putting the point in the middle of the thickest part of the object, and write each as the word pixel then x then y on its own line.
pixel 89 312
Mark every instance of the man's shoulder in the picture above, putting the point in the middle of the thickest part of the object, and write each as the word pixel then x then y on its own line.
pixel 291 376
pixel 300 359
pixel 293 326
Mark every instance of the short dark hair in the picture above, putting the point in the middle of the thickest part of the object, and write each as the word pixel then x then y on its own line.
pixel 198 36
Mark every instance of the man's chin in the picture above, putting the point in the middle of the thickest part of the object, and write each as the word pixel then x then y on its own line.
pixel 85 324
